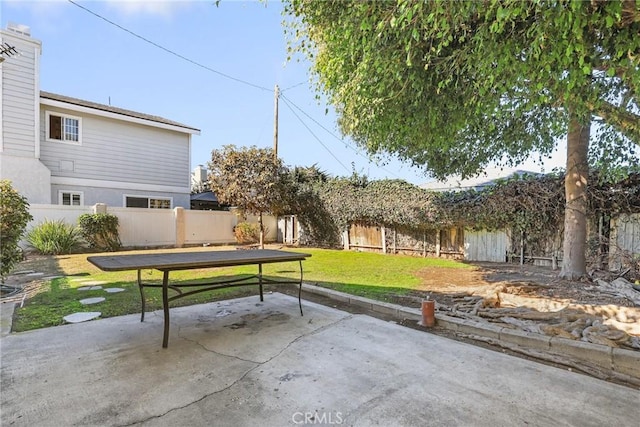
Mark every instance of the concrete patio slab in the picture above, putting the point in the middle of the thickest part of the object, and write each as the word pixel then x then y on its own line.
pixel 241 362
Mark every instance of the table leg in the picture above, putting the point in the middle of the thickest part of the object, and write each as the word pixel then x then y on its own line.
pixel 141 288
pixel 260 281
pixel 165 305
pixel 300 290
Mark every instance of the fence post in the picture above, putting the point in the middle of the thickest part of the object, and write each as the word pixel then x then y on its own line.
pixel 100 208
pixel 180 226
pixel 384 239
pixel 438 243
pixel 395 241
pixel 345 239
pixel 424 243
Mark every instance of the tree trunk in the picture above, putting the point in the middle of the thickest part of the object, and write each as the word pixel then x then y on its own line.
pixel 574 264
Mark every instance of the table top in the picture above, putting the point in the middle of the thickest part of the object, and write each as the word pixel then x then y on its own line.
pixel 189 260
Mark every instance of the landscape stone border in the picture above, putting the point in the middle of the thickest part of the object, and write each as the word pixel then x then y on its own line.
pixel 621 363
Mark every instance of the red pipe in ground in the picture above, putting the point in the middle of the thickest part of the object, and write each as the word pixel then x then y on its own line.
pixel 428 313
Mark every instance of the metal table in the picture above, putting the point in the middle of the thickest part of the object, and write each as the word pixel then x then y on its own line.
pixel 167 262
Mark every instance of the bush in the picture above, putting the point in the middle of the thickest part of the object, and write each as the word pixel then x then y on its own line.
pixel 247 233
pixel 54 237
pixel 14 217
pixel 100 231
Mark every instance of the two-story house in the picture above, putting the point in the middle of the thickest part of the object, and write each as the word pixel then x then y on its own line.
pixel 61 150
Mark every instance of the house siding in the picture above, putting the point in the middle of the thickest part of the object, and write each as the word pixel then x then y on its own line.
pixel 111 150
pixel 20 95
pixel 115 197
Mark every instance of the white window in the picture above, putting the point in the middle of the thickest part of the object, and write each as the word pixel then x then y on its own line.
pixel 147 202
pixel 70 198
pixel 63 128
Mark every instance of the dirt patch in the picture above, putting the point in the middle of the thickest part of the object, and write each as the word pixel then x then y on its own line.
pixel 532 299
pixel 483 278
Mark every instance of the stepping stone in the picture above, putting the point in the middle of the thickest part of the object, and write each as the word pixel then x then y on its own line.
pixel 90 288
pixel 95 300
pixel 113 290
pixel 79 280
pixel 34 274
pixel 81 317
pixel 94 282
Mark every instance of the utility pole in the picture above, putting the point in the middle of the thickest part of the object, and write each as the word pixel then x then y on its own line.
pixel 275 121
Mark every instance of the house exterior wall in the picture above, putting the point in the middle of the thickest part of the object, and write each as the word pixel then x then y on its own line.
pixel 19 104
pixel 116 158
pixel 119 153
pixel 112 150
pixel 20 96
pixel 116 196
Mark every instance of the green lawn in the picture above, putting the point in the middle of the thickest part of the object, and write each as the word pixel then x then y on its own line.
pixel 359 273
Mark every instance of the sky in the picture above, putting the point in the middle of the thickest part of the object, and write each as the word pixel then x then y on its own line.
pixel 209 67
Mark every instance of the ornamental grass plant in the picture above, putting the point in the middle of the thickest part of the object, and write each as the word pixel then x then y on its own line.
pixel 54 238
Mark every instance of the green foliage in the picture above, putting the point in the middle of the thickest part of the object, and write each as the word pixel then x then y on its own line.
pixel 246 232
pixel 453 86
pixel 14 217
pixel 531 203
pixel 100 231
pixel 54 237
pixel 321 225
pixel 249 178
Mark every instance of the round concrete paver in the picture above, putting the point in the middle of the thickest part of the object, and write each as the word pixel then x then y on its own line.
pixel 81 317
pixel 113 290
pixel 95 300
pixel 90 288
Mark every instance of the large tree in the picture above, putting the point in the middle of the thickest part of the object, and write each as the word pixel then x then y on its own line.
pixel 252 179
pixel 453 86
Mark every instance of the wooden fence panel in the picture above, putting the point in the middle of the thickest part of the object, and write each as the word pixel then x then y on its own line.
pixel 365 237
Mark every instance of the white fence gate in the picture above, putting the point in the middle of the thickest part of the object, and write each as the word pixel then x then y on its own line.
pixel 624 240
pixel 491 246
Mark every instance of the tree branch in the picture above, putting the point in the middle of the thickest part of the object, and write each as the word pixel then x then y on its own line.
pixel 624 121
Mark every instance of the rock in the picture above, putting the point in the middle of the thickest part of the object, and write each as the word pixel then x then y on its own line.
pixel 81 317
pixel 555 331
pixel 598 339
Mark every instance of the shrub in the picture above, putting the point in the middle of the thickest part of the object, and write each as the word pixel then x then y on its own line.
pixel 100 231
pixel 14 217
pixel 246 232
pixel 54 237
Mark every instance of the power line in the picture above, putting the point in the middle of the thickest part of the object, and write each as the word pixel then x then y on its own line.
pixel 294 86
pixel 227 76
pixel 336 137
pixel 314 135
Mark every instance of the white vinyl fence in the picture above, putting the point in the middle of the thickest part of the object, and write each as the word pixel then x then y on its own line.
pixel 140 227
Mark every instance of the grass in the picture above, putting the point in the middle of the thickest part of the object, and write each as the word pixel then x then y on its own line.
pixel 359 273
